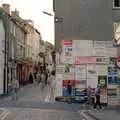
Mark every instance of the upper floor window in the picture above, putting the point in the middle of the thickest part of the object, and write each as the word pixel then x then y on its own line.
pixel 116 3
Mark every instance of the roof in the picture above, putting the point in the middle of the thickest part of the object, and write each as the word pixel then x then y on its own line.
pixel 20 22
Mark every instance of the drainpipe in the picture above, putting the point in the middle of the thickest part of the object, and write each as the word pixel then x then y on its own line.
pixel 5 22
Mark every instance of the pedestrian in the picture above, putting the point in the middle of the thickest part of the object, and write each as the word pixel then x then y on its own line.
pixel 69 88
pixel 15 84
pixel 31 77
pixel 42 77
pixel 92 97
pixel 97 95
pixel 89 90
pixel 38 78
pixel 35 77
pixel 46 76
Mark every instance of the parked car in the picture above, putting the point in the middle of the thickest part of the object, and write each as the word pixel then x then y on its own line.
pixel 81 96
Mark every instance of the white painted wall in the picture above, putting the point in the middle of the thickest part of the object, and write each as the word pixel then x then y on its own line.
pixel 2 38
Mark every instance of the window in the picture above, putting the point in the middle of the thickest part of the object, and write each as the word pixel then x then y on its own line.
pixel 116 3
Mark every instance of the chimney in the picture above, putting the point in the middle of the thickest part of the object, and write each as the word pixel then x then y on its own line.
pixel 15 13
pixel 6 8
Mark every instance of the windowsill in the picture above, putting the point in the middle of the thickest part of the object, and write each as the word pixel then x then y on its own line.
pixel 116 8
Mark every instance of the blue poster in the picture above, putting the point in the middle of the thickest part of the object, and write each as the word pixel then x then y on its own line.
pixel 112 75
pixel 65 91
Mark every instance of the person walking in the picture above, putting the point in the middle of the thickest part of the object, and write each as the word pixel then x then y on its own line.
pixel 97 95
pixel 69 88
pixel 89 94
pixel 46 76
pixel 38 79
pixel 31 77
pixel 15 84
pixel 42 77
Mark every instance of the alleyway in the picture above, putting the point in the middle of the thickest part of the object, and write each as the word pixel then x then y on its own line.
pixel 33 93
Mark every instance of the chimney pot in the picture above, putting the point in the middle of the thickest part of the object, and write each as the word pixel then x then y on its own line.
pixel 6 8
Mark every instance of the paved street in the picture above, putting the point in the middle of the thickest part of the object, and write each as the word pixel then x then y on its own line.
pixel 39 114
pixel 32 92
pixel 105 115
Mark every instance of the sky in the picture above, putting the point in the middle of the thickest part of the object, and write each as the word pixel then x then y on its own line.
pixel 33 9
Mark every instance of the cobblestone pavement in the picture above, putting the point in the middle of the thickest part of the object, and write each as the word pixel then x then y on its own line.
pixel 40 114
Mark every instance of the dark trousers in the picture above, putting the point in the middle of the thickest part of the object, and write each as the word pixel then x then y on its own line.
pixel 97 102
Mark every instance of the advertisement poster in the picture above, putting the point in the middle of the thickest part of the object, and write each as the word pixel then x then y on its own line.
pixel 84 60
pixel 102 69
pixel 112 96
pixel 99 52
pixel 83 48
pixel 92 79
pixel 99 44
pixel 69 72
pixel 67 52
pixel 80 76
pixel 111 52
pixel 112 75
pixel 65 87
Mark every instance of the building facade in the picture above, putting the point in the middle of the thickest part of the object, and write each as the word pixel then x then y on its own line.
pixel 19 48
pixel 48 56
pixel 85 19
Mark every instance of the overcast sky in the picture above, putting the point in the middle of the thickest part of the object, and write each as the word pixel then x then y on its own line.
pixel 32 9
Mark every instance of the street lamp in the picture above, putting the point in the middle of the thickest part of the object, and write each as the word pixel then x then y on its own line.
pixel 57 19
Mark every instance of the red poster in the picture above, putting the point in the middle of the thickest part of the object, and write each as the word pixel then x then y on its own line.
pixel 84 60
pixel 65 82
pixel 67 42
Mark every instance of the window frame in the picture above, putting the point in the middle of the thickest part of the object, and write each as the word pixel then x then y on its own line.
pixel 114 5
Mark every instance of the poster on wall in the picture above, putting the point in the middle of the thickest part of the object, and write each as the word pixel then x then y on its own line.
pixel 67 52
pixel 112 96
pixel 83 47
pixel 102 69
pixel 85 60
pixel 112 75
pixel 99 44
pixel 111 52
pixel 91 76
pixel 65 84
pixel 69 72
pixel 80 76
pixel 99 52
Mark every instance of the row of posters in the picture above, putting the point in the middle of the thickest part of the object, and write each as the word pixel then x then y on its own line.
pixel 73 50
